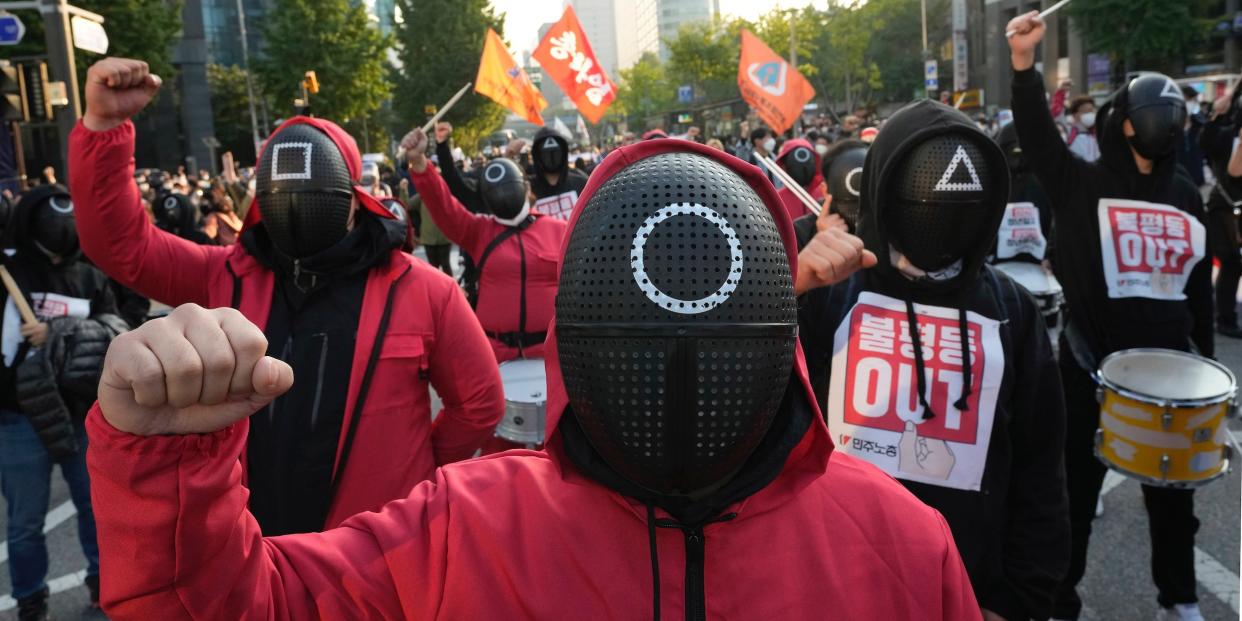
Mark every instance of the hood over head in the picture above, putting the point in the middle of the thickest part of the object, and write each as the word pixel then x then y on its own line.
pixel 812 166
pixel 541 139
pixel 175 213
pixel 1115 152
pixel 842 166
pixel 911 129
pixel 353 162
pixel 722 417
pixel 51 204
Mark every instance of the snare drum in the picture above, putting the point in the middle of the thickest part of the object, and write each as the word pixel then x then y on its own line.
pixel 1042 284
pixel 1163 415
pixel 526 388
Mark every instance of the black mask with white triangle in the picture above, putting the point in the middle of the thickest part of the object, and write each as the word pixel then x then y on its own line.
pixel 940 207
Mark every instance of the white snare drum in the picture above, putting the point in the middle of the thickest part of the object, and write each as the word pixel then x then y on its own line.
pixel 1041 283
pixel 526 389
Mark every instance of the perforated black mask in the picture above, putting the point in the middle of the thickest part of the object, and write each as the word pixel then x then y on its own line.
pixel 54 227
pixel 940 207
pixel 676 322
pixel 845 183
pixel 800 164
pixel 502 184
pixel 304 190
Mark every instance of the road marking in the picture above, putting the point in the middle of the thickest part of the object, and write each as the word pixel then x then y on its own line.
pixel 55 517
pixel 1217 579
pixel 63 583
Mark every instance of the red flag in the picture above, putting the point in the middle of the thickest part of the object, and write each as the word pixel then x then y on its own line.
pixel 566 57
pixel 776 90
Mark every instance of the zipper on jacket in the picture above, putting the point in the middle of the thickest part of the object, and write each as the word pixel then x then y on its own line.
pixel 696 600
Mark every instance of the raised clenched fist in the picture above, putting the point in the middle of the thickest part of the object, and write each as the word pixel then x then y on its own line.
pixel 117 89
pixel 414 145
pixel 1028 31
pixel 444 129
pixel 194 371
pixel 832 255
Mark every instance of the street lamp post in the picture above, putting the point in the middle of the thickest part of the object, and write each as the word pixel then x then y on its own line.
pixel 245 46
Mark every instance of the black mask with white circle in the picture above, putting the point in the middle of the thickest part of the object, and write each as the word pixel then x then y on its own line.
pixel 502 186
pixel 800 164
pixel 53 227
pixel 676 322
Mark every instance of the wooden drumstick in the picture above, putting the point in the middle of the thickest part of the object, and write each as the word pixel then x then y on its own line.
pixel 28 316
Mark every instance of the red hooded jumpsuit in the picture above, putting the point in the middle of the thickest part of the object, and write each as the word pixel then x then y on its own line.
pixel 521 535
pixel 815 188
pixel 429 333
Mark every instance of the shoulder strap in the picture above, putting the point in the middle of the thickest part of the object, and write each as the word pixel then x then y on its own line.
pixel 505 234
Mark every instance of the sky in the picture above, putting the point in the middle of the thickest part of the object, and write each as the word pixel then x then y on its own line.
pixel 523 17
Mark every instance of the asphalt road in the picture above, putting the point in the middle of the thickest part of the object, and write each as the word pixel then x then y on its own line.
pixel 1117 587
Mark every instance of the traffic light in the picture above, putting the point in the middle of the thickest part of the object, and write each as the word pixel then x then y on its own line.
pixel 38 103
pixel 12 93
pixel 311 83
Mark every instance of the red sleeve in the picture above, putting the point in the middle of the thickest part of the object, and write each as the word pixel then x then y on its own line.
pixel 464 374
pixel 114 230
pixel 179 543
pixel 1058 103
pixel 469 230
pixel 956 594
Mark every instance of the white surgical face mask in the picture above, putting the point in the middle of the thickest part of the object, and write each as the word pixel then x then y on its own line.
pixel 821 149
pixel 769 145
pixel 1088 120
pixel 1192 108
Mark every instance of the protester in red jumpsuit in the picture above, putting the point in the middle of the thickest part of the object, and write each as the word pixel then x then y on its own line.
pixel 320 270
pixel 799 158
pixel 515 249
pixel 727 500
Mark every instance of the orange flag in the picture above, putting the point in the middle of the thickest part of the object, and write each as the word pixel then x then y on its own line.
pixel 566 57
pixel 501 79
pixel 770 85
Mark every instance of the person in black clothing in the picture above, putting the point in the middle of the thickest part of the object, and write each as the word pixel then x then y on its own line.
pixel 1119 299
pixel 1021 237
pixel 47 384
pixel 176 214
pixel 555 184
pixel 938 369
pixel 1189 153
pixel 762 142
pixel 1218 140
pixel 464 189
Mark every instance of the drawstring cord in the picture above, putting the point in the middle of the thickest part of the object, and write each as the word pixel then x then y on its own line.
pixel 655 563
pixel 913 320
pixel 963 403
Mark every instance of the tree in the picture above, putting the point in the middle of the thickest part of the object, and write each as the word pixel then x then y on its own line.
pixel 704 55
pixel 773 28
pixel 333 38
pixel 439 45
pixel 644 91
pixel 231 108
pixel 1140 31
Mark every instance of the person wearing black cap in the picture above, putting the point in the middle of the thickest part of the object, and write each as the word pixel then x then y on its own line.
pixel 937 368
pixel 47 382
pixel 555 184
pixel 1130 256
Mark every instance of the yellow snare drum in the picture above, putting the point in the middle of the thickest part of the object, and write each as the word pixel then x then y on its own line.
pixel 1162 416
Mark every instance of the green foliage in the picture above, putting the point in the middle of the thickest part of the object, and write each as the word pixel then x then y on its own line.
pixel 231 109
pixel 703 55
pixel 645 90
pixel 333 38
pixel 142 29
pixel 1139 31
pixel 439 46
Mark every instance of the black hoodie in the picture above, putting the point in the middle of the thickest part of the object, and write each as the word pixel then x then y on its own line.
pixel 1098 324
pixel 1010 519
pixel 570 180
pixel 71 287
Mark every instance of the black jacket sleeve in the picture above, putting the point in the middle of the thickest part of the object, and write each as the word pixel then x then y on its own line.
pixel 1036 549
pixel 1060 172
pixel 468 196
pixel 1199 290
